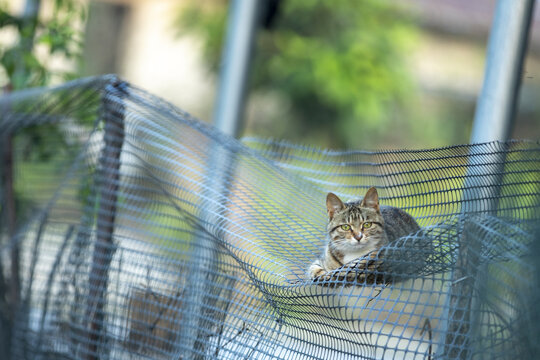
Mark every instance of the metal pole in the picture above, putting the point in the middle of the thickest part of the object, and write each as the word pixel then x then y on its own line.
pixel 108 187
pixel 241 30
pixel 200 298
pixel 493 122
pixel 505 55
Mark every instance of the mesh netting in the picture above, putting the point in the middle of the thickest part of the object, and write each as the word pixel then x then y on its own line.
pixel 144 233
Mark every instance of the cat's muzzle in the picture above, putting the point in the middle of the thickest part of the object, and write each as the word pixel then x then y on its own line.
pixel 358 236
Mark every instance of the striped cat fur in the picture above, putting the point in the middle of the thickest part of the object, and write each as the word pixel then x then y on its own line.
pixel 356 232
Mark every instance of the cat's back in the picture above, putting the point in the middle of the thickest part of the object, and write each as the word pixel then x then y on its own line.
pixel 398 223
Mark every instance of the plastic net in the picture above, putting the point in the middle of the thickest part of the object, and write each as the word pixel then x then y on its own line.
pixel 140 232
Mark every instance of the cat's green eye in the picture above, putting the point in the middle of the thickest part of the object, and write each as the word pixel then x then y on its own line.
pixel 346 227
pixel 367 225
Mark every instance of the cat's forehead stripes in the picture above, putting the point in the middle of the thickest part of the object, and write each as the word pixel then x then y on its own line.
pixel 354 212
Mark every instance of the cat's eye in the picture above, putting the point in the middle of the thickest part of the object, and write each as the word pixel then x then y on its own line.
pixel 345 227
pixel 367 225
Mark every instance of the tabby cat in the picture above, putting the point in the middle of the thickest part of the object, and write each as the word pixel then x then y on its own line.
pixel 356 231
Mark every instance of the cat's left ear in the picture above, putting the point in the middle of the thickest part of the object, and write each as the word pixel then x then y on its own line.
pixel 371 200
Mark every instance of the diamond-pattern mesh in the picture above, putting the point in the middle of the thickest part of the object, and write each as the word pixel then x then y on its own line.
pixel 144 233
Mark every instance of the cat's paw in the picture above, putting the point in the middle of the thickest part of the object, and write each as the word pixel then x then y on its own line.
pixel 323 278
pixel 316 270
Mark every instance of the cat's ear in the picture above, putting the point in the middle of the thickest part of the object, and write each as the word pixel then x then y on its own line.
pixel 371 200
pixel 333 204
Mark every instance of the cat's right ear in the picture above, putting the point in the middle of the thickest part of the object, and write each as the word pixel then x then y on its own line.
pixel 333 204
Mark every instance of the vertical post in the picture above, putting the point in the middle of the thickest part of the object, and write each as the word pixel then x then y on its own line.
pixel 506 51
pixel 241 30
pixel 9 201
pixel 108 183
pixel 18 80
pixel 493 121
pixel 30 15
pixel 30 18
pixel 10 286
pixel 200 297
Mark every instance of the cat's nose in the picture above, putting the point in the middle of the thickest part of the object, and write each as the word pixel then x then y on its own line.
pixel 357 236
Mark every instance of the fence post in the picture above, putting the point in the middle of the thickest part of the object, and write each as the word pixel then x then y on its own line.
pixel 493 121
pixel 506 51
pixel 10 287
pixel 200 299
pixel 241 30
pixel 107 187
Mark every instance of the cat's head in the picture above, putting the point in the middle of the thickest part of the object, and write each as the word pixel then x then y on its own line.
pixel 355 226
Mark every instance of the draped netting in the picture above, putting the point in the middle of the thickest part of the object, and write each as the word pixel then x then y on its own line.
pixel 142 232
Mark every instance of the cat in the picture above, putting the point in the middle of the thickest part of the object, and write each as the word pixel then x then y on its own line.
pixel 356 232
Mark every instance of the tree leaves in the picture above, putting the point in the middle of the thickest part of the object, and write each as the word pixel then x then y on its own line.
pixel 58 33
pixel 341 64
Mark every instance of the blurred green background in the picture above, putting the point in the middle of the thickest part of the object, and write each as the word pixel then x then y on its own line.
pixel 361 74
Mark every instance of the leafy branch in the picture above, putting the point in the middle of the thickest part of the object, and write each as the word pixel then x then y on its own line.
pixel 340 66
pixel 57 33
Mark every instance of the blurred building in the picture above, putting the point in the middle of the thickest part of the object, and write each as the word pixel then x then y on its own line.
pixel 449 61
pixel 139 40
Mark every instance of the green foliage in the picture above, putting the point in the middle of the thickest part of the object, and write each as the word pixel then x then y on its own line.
pixel 57 33
pixel 339 63
pixel 208 19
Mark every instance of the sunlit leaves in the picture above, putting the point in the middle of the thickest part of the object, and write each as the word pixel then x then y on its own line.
pixel 341 64
pixel 56 32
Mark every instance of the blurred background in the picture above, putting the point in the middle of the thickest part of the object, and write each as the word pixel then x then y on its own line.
pixel 361 74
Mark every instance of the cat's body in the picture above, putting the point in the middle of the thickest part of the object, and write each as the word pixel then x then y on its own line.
pixel 356 230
